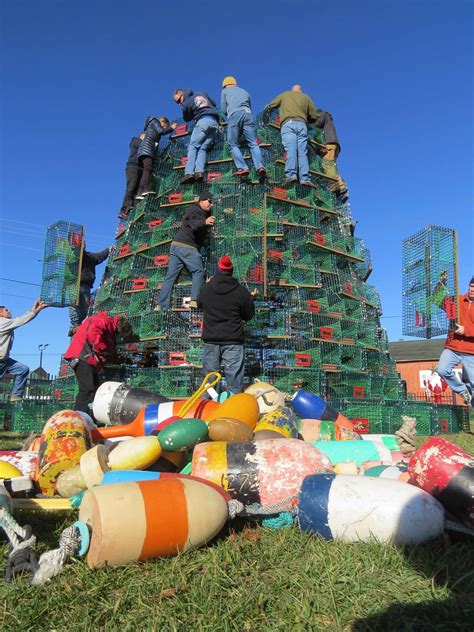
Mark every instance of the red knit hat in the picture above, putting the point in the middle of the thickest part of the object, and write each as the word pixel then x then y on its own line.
pixel 225 264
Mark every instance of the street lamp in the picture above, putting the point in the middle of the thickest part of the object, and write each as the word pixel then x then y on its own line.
pixel 41 348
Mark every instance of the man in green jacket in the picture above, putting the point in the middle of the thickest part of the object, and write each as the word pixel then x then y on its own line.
pixel 296 111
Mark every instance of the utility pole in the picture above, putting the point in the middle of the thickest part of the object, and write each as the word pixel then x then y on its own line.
pixel 41 348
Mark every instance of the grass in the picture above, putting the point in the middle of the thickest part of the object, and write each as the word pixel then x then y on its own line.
pixel 254 579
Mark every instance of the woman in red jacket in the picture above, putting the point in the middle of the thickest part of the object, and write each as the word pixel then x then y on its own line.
pixel 92 347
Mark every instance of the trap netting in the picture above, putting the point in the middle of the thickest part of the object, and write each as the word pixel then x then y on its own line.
pixel 429 282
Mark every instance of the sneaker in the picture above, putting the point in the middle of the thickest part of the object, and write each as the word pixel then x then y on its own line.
pixel 466 397
pixel 262 174
pixel 157 308
pixel 198 177
pixel 193 304
pixel 187 179
pixel 290 181
pixel 307 183
pixel 139 197
pixel 15 398
pixel 146 193
pixel 123 214
pixel 241 173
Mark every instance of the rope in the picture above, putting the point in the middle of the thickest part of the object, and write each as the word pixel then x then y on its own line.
pixel 406 435
pixel 51 562
pixel 457 526
pixel 21 556
pixel 236 508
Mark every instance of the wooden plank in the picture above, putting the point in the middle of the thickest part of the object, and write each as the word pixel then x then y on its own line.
pixel 183 203
pixel 334 250
pixel 282 283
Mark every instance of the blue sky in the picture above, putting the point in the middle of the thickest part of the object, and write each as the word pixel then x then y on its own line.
pixel 79 78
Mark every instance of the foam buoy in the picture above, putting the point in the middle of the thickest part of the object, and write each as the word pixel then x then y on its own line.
pixel 142 520
pixel 119 403
pixel 357 451
pixel 24 460
pixel 354 508
pixel 242 407
pixel 447 472
pixel 183 435
pixel 88 473
pixel 135 454
pixel 268 397
pixel 64 439
pixel 263 472
pixel 8 470
pixel 397 472
pixel 281 421
pixel 308 405
pixel 230 430
pixel 317 430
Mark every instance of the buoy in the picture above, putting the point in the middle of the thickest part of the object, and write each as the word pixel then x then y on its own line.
pixel 347 467
pixel 147 519
pixel 88 473
pixel 316 430
pixel 308 405
pixel 151 417
pixel 135 454
pixel 64 439
pixel 263 472
pixel 119 403
pixel 397 472
pixel 268 397
pixel 24 460
pixel 358 508
pixel 8 470
pixel 447 472
pixel 242 407
pixel 168 462
pixel 183 435
pixel 282 421
pixel 230 430
pixel 357 451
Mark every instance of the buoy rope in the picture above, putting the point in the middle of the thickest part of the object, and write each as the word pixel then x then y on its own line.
pixel 51 562
pixel 21 556
pixel 236 508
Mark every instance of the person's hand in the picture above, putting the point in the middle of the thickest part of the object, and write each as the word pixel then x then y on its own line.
pixel 254 292
pixel 39 305
pixel 174 125
pixel 210 220
pixel 459 330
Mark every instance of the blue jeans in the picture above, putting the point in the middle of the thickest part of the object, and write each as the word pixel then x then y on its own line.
pixel 19 371
pixel 448 360
pixel 182 257
pixel 77 313
pixel 231 357
pixel 203 136
pixel 241 123
pixel 294 136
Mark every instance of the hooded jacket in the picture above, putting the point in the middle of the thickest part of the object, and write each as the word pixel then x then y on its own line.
pixel 225 305
pixel 153 132
pixel 465 343
pixel 94 342
pixel 89 261
pixel 193 230
pixel 133 156
pixel 198 104
pixel 325 122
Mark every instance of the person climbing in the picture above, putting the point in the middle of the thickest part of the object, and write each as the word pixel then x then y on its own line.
pixel 459 349
pixel 333 149
pixel 226 305
pixel 154 129
pixel 90 260
pixel 235 104
pixel 296 110
pixel 186 248
pixel 92 347
pixel 200 108
pixel 8 365
pixel 132 176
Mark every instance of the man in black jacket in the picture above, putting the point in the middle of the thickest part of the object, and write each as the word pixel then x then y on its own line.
pixel 333 149
pixel 78 312
pixel 132 175
pixel 226 305
pixel 185 251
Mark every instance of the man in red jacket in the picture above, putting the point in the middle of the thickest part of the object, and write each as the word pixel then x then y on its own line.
pixel 459 348
pixel 93 346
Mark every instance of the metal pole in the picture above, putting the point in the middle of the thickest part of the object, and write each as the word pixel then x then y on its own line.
pixel 41 348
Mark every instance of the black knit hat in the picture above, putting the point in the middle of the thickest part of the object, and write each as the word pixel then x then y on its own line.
pixel 205 196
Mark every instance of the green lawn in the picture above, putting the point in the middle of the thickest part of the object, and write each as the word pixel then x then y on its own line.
pixel 255 579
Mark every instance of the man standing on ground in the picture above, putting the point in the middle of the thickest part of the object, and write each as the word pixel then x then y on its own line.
pixel 235 104
pixel 226 305
pixel 186 248
pixel 93 346
pixel 333 148
pixel 459 348
pixel 200 108
pixel 296 111
pixel 132 175
pixel 9 365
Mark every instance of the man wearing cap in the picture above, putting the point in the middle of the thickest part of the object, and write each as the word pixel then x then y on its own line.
pixel 296 111
pixel 200 108
pixel 459 348
pixel 185 251
pixel 226 304
pixel 235 104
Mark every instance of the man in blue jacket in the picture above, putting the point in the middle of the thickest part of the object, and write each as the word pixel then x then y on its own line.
pixel 200 108
pixel 235 104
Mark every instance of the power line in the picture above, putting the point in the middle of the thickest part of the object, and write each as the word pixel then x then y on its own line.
pixel 17 296
pixel 16 281
pixel 17 221
pixel 2 243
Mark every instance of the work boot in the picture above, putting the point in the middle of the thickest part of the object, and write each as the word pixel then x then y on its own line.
pixel 198 177
pixel 188 178
pixel 466 397
pixel 241 173
pixel 290 181
pixel 15 398
pixel 262 174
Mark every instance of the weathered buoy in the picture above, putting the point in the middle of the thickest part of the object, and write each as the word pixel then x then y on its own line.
pixel 316 430
pixel 64 439
pixel 183 435
pixel 357 451
pixel 119 403
pixel 88 473
pixel 281 421
pixel 262 472
pixel 447 472
pixel 354 508
pixel 308 405
pixel 230 430
pixel 397 472
pixel 135 454
pixel 147 519
pixel 25 460
pixel 268 397
pixel 242 407
pixel 168 462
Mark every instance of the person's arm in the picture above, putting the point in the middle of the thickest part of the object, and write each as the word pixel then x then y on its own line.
pixel 247 308
pixel 9 324
pixel 312 111
pixel 188 110
pixel 98 257
pixel 466 328
pixel 99 338
pixel 223 103
pixel 275 103
pixel 196 220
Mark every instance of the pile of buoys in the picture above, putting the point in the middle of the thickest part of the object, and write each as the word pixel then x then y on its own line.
pixel 163 476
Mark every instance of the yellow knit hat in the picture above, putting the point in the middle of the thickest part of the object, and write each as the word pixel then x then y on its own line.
pixel 229 81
